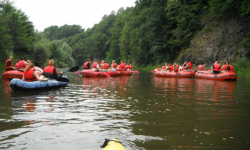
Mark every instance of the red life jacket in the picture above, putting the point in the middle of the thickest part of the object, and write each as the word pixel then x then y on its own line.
pixel 231 68
pixel 85 66
pixel 126 66
pixel 17 65
pixel 200 68
pixel 49 69
pixel 171 68
pixel 190 66
pixel 29 75
pixel 105 66
pixel 129 66
pixel 6 65
pixel 163 67
pixel 94 65
pixel 122 66
pixel 176 69
pixel 114 65
pixel 21 64
pixel 224 68
pixel 216 67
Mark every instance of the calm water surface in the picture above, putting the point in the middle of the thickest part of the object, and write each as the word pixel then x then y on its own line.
pixel 144 112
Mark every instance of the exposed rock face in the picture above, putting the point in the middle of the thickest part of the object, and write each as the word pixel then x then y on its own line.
pixel 219 40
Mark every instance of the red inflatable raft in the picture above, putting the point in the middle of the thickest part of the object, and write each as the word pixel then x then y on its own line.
pixel 220 76
pixel 10 74
pixel 91 73
pixel 180 74
pixel 126 73
pixel 114 73
pixel 13 74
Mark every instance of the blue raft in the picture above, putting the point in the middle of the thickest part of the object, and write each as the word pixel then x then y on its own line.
pixel 20 85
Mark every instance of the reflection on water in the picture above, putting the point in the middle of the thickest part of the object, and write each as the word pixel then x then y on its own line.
pixel 143 112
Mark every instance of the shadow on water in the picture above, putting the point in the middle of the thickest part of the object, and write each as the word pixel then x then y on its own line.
pixel 142 111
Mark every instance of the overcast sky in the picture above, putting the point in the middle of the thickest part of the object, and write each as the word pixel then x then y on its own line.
pixel 86 13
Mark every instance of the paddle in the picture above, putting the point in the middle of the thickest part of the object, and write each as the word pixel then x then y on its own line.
pixel 107 75
pixel 73 69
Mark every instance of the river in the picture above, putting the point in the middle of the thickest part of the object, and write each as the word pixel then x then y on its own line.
pixel 142 111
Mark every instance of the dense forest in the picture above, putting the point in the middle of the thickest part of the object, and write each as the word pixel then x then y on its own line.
pixel 150 33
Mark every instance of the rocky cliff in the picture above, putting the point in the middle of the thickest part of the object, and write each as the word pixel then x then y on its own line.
pixel 218 40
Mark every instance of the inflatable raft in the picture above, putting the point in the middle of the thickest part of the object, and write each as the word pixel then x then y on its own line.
pixel 114 73
pixel 91 73
pixel 126 73
pixel 10 74
pixel 180 74
pixel 113 144
pixel 13 74
pixel 221 76
pixel 20 85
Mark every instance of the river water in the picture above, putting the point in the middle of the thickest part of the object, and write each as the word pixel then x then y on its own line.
pixel 142 111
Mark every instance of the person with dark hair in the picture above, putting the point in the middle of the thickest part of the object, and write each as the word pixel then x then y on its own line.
pixel 224 67
pixel 86 65
pixel 22 63
pixel 30 74
pixel 51 72
pixel 9 64
pixel 230 68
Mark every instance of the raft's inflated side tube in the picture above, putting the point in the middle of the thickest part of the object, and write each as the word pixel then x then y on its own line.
pixel 91 73
pixel 20 85
pixel 13 74
pixel 181 74
pixel 221 76
pixel 113 144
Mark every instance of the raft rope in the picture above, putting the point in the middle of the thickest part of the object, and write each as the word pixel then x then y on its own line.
pixel 107 141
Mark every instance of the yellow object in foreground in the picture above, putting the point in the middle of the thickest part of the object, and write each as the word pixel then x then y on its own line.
pixel 114 144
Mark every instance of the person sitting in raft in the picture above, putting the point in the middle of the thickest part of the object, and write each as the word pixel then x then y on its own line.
pixel 175 67
pixel 216 67
pixel 30 74
pixel 170 68
pixel 129 67
pixel 9 64
pixel 27 63
pixel 188 66
pixel 22 63
pixel 201 67
pixel 164 67
pixel 96 66
pixel 86 65
pixel 122 65
pixel 113 66
pixel 230 68
pixel 17 65
pixel 51 72
pixel 105 66
pixel 224 67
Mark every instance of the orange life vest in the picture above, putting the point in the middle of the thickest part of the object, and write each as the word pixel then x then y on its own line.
pixel 105 66
pixel 94 65
pixel 122 66
pixel 85 66
pixel 190 66
pixel 224 68
pixel 216 67
pixel 17 65
pixel 231 68
pixel 6 65
pixel 176 69
pixel 114 65
pixel 21 64
pixel 171 68
pixel 28 75
pixel 49 69
pixel 200 68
